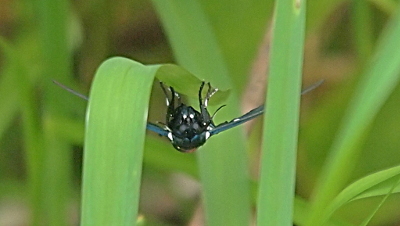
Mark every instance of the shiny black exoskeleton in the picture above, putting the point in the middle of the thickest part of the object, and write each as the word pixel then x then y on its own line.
pixel 185 127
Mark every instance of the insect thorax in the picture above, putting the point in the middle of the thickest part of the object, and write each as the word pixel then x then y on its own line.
pixel 188 129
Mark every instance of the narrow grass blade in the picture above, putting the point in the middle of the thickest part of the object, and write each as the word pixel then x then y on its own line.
pixel 277 179
pixel 51 186
pixel 374 88
pixel 364 188
pixel 369 218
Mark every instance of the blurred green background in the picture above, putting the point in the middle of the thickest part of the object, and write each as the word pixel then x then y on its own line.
pixel 42 126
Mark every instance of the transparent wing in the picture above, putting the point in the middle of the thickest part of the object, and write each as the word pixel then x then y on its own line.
pixel 312 87
pixel 237 121
pixel 71 90
pixel 150 126
pixel 253 113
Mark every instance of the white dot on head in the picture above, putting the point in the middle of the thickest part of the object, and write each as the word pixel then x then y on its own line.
pixel 191 115
pixel 170 136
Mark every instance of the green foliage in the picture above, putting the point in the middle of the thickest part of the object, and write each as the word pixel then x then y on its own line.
pixel 375 86
pixel 343 162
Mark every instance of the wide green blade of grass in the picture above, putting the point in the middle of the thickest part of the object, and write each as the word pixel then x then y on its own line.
pixel 115 135
pixel 374 88
pixel 277 179
pixel 115 130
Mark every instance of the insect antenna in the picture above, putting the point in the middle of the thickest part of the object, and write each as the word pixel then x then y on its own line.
pixel 212 117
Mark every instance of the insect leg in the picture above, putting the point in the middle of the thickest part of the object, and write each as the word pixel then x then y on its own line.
pixel 178 98
pixel 203 105
pixel 165 93
pixel 170 102
pixel 210 93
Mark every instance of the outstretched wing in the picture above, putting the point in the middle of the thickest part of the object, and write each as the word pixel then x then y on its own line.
pixel 71 90
pixel 150 126
pixel 313 86
pixel 237 121
pixel 253 113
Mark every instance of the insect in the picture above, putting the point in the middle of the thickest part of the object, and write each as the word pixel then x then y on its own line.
pixel 187 128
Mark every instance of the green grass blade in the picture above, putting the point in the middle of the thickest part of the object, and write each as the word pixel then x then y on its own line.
pixel 115 136
pixel 239 28
pixel 51 186
pixel 369 218
pixel 379 189
pixel 115 132
pixel 193 41
pixel 222 161
pixel 373 90
pixel 364 188
pixel 277 179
